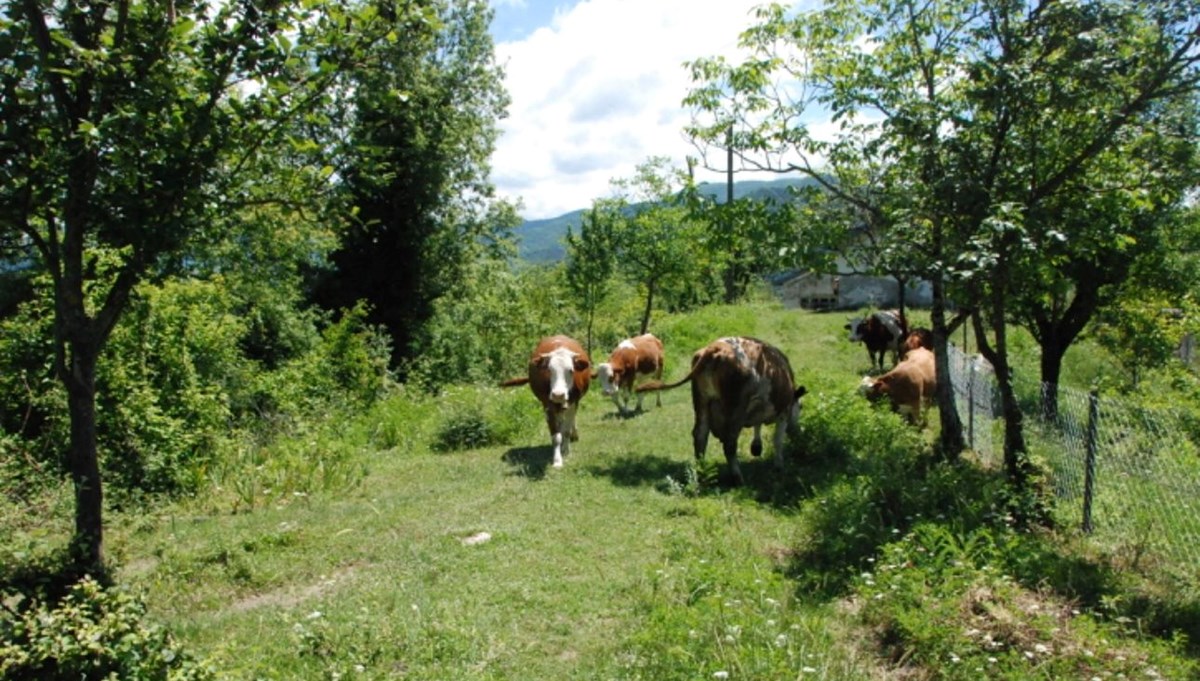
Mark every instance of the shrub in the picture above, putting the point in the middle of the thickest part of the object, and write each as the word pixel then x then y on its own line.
pixel 92 633
pixel 946 602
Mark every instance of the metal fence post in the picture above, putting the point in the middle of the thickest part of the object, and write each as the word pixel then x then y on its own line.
pixel 971 403
pixel 1089 470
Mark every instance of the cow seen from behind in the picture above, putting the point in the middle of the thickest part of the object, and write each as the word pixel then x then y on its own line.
pixel 737 383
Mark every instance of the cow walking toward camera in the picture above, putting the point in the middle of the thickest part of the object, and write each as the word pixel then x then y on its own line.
pixel 882 331
pixel 738 383
pixel 633 358
pixel 559 373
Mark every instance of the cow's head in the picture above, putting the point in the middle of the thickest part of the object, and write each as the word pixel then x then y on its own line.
pixel 872 388
pixel 855 327
pixel 561 365
pixel 609 378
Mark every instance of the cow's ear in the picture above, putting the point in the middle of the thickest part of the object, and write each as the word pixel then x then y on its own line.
pixel 582 364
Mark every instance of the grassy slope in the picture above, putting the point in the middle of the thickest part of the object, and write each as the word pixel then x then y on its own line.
pixel 573 557
pixel 588 568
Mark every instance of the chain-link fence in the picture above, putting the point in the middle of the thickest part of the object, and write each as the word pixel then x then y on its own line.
pixel 1127 475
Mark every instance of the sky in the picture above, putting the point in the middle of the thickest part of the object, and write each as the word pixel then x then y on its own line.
pixel 597 88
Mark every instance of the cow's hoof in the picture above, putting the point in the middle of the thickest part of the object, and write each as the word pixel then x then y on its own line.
pixel 755 449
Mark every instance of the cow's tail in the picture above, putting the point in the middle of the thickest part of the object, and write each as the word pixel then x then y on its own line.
pixel 514 382
pixel 652 386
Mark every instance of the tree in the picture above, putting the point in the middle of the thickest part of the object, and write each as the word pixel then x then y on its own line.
pixel 590 263
pixel 655 233
pixel 414 164
pixel 126 128
pixel 987 122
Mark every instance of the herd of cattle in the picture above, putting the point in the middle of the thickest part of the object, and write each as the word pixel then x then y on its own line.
pixel 737 382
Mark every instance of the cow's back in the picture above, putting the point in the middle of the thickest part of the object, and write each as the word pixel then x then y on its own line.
pixel 745 373
pixel 648 354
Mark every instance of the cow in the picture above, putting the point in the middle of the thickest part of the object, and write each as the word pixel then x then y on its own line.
pixel 559 373
pixel 881 331
pixel 738 383
pixel 910 385
pixel 633 357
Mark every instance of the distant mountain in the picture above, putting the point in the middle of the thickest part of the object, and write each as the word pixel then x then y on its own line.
pixel 543 241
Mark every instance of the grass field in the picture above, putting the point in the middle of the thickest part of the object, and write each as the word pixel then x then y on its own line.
pixel 403 560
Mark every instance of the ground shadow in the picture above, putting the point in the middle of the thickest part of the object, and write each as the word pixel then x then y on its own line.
pixel 637 470
pixel 616 415
pixel 530 462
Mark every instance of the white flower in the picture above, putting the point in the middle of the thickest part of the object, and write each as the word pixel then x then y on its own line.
pixel 315 614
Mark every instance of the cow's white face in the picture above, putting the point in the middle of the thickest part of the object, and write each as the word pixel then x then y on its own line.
pixel 608 382
pixel 855 327
pixel 561 365
pixel 865 385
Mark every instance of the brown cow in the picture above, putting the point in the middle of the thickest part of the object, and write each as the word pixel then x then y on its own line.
pixel 880 332
pixel 633 357
pixel 739 383
pixel 559 372
pixel 910 385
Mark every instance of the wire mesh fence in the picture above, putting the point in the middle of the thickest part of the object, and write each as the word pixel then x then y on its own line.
pixel 1127 475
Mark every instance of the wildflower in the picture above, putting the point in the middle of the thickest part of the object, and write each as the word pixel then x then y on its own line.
pixel 954 658
pixel 781 640
pixel 809 670
pixel 315 614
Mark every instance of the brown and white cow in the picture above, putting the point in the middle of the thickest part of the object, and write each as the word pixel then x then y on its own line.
pixel 881 331
pixel 739 383
pixel 559 373
pixel 633 357
pixel 910 385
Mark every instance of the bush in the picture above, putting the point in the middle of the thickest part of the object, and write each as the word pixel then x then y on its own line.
pixel 945 601
pixel 483 417
pixel 92 633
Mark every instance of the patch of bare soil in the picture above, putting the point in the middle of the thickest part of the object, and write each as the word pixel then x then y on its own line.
pixel 291 596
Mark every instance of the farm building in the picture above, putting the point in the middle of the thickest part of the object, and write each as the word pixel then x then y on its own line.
pixel 818 291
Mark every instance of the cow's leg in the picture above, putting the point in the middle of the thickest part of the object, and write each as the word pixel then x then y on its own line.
pixel 729 444
pixel 781 427
pixel 569 418
pixel 701 428
pixel 616 398
pixel 554 421
pixel 756 443
pixel 640 396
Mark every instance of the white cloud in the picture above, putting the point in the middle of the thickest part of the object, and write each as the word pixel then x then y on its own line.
pixel 599 91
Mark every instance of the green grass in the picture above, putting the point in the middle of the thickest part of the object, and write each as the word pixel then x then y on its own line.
pixel 628 563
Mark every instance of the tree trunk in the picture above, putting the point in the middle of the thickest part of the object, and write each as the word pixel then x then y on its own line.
pixel 649 305
pixel 80 381
pixel 1016 463
pixel 952 441
pixel 1051 366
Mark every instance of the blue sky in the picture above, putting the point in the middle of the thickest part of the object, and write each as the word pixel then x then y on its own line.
pixel 596 89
